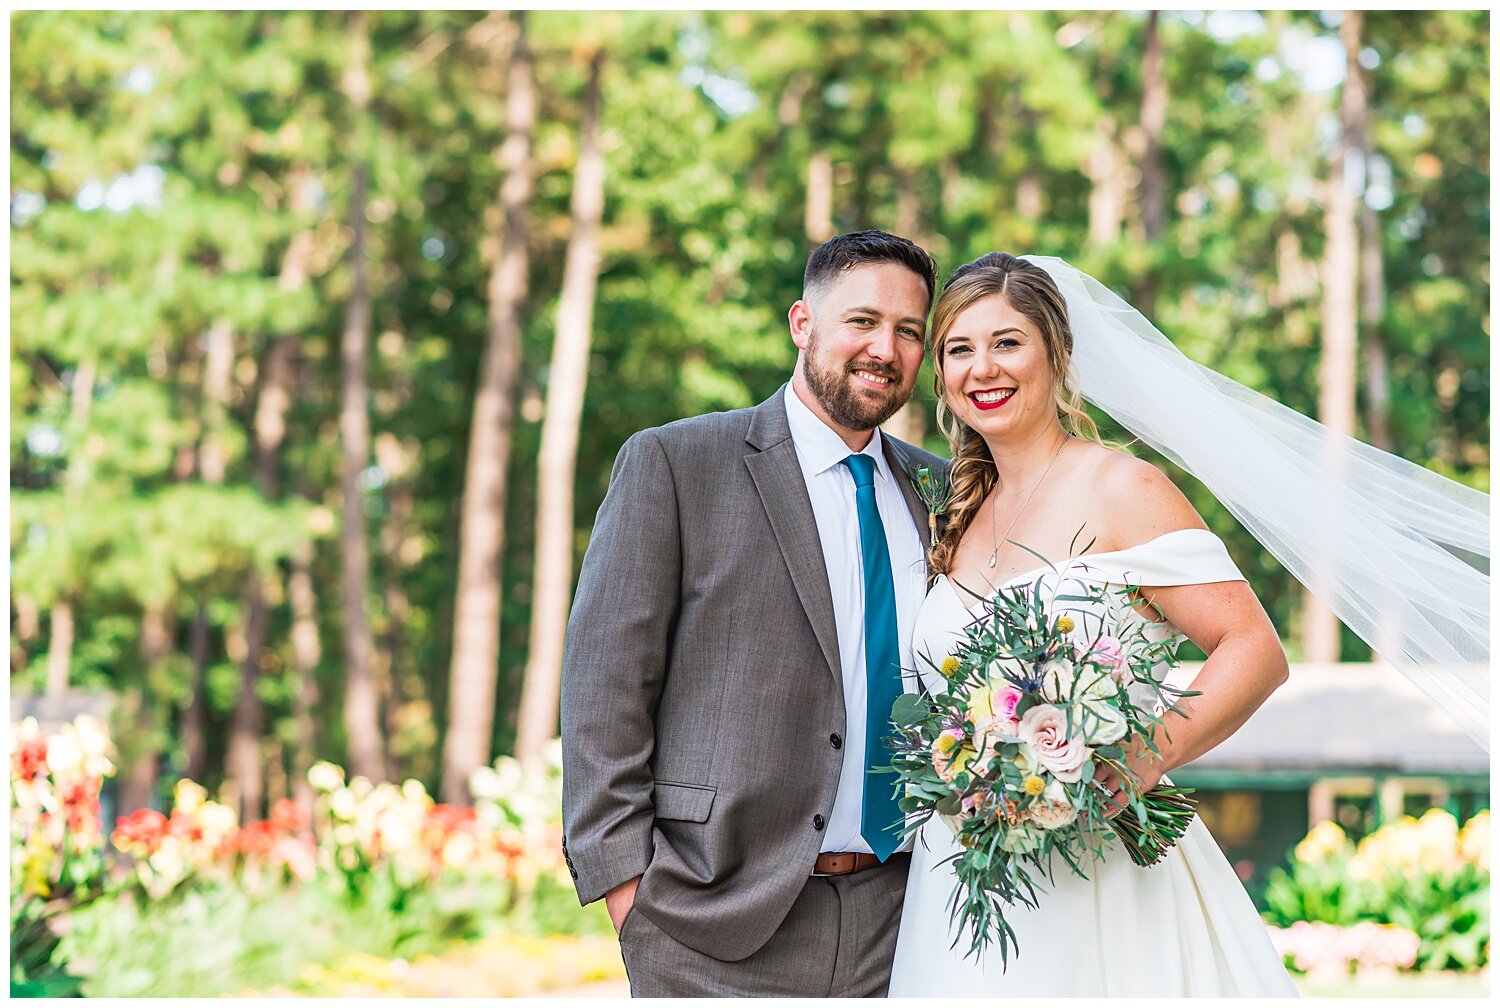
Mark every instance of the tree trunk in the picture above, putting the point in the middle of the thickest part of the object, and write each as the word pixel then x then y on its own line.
pixel 395 458
pixel 141 745
pixel 62 630
pixel 476 621
pixel 1105 170
pixel 1371 287
pixel 818 218
pixel 195 717
pixel 27 627
pixel 60 648
pixel 245 724
pixel 1336 364
pixel 1153 120
pixel 1153 183
pixel 307 650
pixel 908 422
pixel 361 704
pixel 218 374
pixel 245 763
pixel 557 460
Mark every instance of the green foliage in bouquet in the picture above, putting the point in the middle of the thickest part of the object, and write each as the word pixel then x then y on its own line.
pixel 1033 707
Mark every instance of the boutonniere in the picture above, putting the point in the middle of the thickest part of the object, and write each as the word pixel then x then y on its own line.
pixel 933 488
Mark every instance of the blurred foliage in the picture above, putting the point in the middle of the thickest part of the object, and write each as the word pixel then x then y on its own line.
pixel 1427 876
pixel 164 164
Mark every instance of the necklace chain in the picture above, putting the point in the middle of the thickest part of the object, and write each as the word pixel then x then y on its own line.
pixel 999 539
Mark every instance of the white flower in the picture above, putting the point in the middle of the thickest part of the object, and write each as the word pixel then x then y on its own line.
pixel 1028 761
pixel 1058 675
pixel 64 755
pixel 413 791
pixel 343 804
pixel 484 783
pixel 1053 810
pixel 325 776
pixel 188 796
pixel 1021 840
pixel 1102 722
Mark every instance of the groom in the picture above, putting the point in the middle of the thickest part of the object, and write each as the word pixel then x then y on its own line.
pixel 744 608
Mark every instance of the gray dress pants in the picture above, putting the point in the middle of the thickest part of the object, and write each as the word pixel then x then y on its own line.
pixel 837 941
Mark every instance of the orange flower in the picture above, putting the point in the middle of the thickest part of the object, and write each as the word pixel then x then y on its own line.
pixel 140 833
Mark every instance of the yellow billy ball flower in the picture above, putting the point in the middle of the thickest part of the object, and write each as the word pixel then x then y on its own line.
pixel 949 666
pixel 946 743
pixel 1065 624
pixel 1034 786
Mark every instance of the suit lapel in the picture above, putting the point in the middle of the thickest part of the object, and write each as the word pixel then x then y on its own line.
pixel 783 493
pixel 896 457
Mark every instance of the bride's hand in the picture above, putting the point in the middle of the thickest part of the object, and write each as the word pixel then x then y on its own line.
pixel 1144 770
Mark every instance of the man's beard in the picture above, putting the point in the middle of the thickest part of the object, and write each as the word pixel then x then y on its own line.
pixel 845 404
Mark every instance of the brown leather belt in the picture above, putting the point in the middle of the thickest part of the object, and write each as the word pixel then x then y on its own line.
pixel 845 863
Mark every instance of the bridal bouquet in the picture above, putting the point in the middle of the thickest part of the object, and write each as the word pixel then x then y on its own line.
pixel 1037 701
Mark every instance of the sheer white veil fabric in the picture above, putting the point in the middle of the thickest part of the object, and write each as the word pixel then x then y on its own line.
pixel 1378 539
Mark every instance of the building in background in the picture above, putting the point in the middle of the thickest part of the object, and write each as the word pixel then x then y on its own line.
pixel 1356 743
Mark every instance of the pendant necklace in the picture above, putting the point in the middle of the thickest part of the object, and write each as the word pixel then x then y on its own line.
pixel 995 553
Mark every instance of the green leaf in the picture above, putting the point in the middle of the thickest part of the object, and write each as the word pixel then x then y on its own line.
pixel 909 709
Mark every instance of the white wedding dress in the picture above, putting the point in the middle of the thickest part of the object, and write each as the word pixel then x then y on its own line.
pixel 1183 927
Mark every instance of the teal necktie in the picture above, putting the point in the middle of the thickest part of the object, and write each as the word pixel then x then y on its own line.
pixel 880 822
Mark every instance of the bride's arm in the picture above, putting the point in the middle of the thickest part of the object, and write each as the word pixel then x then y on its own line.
pixel 1245 663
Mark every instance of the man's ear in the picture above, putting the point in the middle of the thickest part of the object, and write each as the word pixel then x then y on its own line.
pixel 799 318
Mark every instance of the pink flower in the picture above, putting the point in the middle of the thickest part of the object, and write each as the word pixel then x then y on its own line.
pixel 1109 653
pixel 1005 702
pixel 1044 727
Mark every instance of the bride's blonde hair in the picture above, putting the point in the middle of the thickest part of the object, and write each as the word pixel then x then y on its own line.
pixel 1029 290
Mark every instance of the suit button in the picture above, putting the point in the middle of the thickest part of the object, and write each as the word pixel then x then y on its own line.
pixel 836 740
pixel 819 822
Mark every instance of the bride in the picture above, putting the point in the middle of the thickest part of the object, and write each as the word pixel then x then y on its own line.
pixel 1029 470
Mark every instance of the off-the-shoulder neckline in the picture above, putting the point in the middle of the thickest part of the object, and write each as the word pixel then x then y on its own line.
pixel 1082 558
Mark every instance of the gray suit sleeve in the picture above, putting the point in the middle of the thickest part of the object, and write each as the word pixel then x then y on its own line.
pixel 615 659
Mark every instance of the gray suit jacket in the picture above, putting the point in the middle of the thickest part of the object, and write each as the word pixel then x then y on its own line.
pixel 701 680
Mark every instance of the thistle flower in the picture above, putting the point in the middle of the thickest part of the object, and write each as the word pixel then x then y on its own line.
pixel 933 489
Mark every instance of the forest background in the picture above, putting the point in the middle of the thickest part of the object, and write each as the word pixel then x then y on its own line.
pixel 326 327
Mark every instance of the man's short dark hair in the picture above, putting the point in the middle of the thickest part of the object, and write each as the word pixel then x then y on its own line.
pixel 861 248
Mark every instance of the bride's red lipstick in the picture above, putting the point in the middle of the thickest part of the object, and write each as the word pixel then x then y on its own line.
pixel 1010 394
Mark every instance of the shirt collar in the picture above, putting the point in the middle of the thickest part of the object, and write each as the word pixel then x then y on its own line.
pixel 819 447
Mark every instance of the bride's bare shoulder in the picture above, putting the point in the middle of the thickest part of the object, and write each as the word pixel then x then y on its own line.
pixel 1138 500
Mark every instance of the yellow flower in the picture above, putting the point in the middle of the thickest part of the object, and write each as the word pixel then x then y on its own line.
pixel 1474 840
pixel 1324 841
pixel 1034 786
pixel 981 704
pixel 1065 624
pixel 945 743
pixel 949 666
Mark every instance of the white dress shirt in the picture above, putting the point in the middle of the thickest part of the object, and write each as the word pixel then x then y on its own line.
pixel 830 484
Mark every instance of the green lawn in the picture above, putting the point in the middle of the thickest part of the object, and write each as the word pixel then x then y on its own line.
pixel 1402 985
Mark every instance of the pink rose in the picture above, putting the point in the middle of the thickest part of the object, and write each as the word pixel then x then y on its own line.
pixel 1005 702
pixel 1044 727
pixel 1109 653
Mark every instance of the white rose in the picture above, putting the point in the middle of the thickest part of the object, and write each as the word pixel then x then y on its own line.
pixel 1058 675
pixel 1028 761
pixel 1102 722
